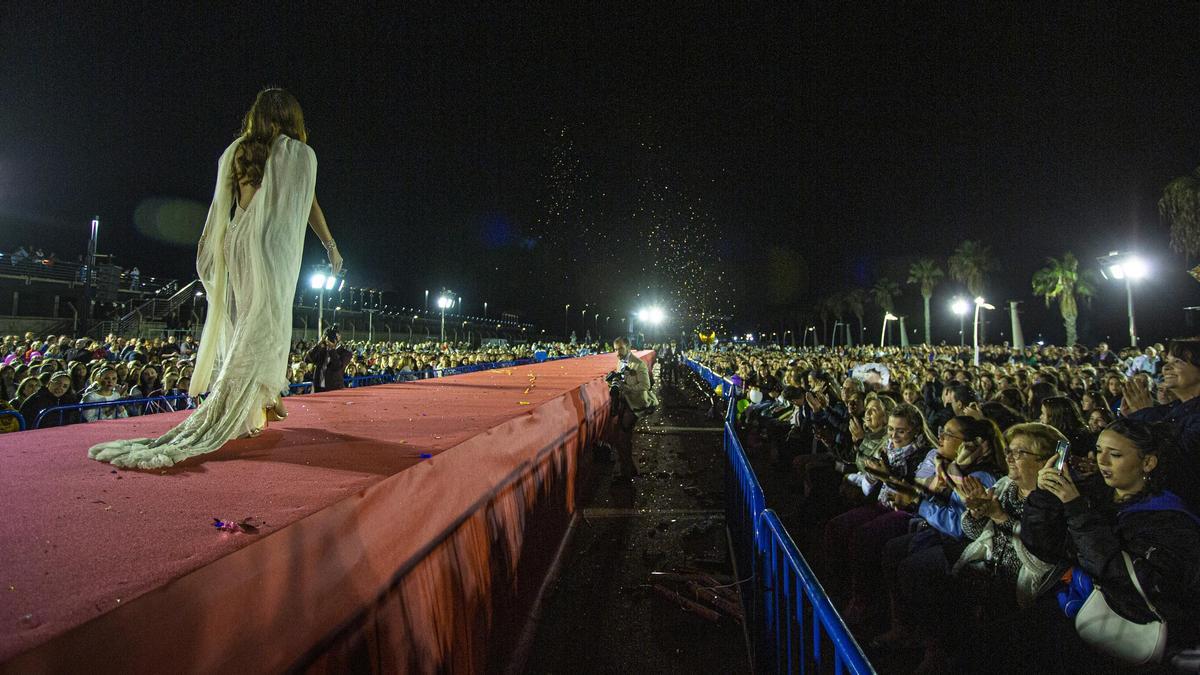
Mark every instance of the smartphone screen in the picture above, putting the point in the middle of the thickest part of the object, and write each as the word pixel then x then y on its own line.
pixel 1061 450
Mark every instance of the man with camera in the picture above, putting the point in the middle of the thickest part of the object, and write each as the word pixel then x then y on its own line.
pixel 632 399
pixel 331 359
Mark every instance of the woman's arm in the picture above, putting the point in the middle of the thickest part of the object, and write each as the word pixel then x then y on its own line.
pixel 316 221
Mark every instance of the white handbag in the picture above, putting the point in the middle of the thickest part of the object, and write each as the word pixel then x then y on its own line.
pixel 1109 632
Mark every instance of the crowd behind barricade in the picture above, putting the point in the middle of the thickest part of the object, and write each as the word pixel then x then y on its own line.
pixel 948 530
pixel 153 375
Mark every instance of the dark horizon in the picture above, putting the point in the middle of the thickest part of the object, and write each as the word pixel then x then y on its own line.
pixel 538 158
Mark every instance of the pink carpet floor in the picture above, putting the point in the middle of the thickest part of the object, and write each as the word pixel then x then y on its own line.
pixel 90 554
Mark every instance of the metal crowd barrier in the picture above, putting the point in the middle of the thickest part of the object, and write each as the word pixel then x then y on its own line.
pixel 19 416
pixel 796 616
pixel 297 388
pixel 790 616
pixel 163 401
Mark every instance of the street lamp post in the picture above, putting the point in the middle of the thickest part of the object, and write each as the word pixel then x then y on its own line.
pixel 960 308
pixel 89 288
pixel 652 316
pixel 443 303
pixel 321 282
pixel 566 322
pixel 1127 267
pixel 979 304
pixel 883 333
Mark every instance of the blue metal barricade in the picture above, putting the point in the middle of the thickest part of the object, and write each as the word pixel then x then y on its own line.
pixel 19 416
pixel 790 616
pixel 159 403
pixel 796 618
pixel 369 380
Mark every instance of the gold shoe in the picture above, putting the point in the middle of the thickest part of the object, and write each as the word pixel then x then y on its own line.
pixel 272 414
pixel 260 424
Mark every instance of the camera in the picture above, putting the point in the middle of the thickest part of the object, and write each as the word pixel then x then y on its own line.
pixel 615 379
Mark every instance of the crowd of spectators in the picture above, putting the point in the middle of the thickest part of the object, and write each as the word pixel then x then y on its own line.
pixel 947 529
pixel 40 373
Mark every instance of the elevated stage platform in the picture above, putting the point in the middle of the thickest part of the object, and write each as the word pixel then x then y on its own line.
pixel 369 556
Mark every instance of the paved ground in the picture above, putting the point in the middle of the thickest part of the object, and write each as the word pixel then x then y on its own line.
pixel 602 615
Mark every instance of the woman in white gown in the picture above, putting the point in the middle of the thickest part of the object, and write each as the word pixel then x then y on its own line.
pixel 249 261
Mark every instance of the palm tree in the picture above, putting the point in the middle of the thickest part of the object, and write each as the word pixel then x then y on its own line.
pixel 970 263
pixel 884 293
pixel 837 307
pixel 926 273
pixel 855 300
pixel 1180 207
pixel 1061 279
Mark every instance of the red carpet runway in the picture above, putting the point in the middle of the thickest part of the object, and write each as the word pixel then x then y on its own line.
pixel 369 557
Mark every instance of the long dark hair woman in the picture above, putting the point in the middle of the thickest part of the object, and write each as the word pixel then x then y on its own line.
pixel 1064 414
pixel 248 259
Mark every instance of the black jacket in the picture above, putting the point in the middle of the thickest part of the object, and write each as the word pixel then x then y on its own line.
pixel 331 366
pixel 1091 532
pixel 42 399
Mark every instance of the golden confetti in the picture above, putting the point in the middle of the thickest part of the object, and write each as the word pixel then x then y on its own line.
pixel 522 402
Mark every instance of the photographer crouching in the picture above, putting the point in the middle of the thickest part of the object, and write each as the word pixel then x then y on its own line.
pixel 330 359
pixel 632 398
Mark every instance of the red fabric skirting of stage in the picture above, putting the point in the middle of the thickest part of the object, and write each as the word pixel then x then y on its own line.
pixel 371 556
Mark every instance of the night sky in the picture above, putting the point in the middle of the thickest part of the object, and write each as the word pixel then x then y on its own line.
pixel 540 155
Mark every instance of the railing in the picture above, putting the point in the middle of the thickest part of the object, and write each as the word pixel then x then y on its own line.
pixel 793 603
pixel 19 416
pixel 152 309
pixel 67 271
pixel 785 602
pixel 164 403
pixel 159 403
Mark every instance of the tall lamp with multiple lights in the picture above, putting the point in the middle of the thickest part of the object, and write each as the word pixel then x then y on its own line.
pixel 443 304
pixel 321 282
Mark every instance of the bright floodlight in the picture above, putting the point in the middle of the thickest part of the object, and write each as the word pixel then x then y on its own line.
pixel 980 302
pixel 890 317
pixel 318 280
pixel 444 302
pixel 959 306
pixel 330 281
pixel 1135 267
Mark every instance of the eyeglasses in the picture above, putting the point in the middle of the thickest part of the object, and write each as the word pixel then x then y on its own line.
pixel 1012 450
pixel 945 433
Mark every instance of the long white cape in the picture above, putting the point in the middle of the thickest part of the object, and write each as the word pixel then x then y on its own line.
pixel 249 267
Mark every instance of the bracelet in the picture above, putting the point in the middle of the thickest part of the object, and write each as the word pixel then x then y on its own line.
pixel 330 245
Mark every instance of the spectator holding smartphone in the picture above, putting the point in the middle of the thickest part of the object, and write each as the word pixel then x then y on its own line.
pixel 1131 513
